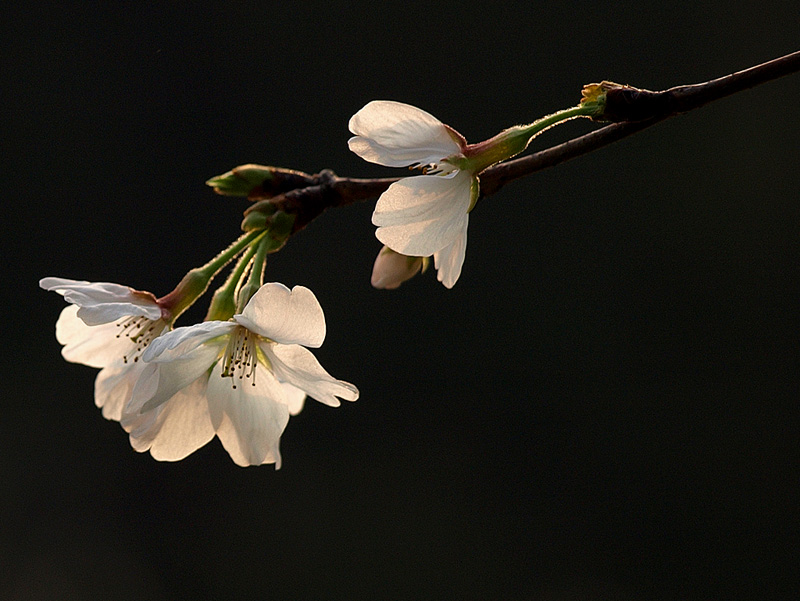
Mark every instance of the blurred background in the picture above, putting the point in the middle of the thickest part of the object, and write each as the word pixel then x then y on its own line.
pixel 604 407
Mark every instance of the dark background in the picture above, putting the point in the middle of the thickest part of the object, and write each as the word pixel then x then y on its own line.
pixel 604 407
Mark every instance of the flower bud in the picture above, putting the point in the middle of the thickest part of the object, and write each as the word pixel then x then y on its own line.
pixel 392 269
pixel 254 221
pixel 240 180
pixel 259 181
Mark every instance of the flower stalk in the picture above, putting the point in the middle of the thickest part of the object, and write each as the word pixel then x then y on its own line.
pixel 514 140
pixel 195 283
pixel 256 278
pixel 223 303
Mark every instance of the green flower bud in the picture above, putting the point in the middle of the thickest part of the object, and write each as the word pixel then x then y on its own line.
pixel 259 181
pixel 239 181
pixel 256 220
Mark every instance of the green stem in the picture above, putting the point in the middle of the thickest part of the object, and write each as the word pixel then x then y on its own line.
pixel 223 303
pixel 512 141
pixel 196 282
pixel 256 278
pixel 213 267
pixel 540 125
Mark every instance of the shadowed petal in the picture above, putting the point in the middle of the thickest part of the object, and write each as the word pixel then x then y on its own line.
pixel 181 341
pixel 289 317
pixel 450 259
pixel 392 269
pixel 114 386
pixel 249 419
pixel 165 379
pixel 295 398
pixel 175 429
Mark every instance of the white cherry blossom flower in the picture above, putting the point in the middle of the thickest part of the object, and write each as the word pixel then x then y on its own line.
pixel 107 326
pixel 426 214
pixel 239 380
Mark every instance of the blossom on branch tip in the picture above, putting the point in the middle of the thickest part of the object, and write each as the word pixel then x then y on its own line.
pixel 107 326
pixel 426 214
pixel 239 380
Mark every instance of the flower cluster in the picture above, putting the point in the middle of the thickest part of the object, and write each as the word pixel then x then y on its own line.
pixel 242 372
pixel 174 390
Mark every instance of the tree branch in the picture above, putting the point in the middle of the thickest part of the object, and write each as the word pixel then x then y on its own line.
pixel 632 110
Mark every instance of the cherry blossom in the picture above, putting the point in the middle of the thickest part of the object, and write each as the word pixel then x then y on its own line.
pixel 107 326
pixel 239 380
pixel 426 214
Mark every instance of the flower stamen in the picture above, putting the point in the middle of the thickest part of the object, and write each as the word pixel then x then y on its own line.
pixel 240 356
pixel 141 331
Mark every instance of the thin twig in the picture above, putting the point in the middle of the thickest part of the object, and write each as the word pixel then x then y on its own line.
pixel 635 109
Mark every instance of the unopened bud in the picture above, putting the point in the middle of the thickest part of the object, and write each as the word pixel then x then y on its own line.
pixel 239 181
pixel 259 181
pixel 392 269
pixel 254 221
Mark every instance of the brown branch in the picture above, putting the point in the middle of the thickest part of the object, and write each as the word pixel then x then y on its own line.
pixel 632 109
pixel 638 110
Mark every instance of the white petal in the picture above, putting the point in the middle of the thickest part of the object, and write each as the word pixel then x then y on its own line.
pixel 297 366
pixel 295 398
pixel 249 419
pixel 114 385
pixel 397 135
pixel 450 259
pixel 167 378
pixel 420 215
pixel 175 429
pixel 184 340
pixel 102 302
pixel 93 346
pixel 96 346
pixel 289 317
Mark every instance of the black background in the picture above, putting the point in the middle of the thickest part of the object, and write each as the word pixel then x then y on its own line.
pixel 604 407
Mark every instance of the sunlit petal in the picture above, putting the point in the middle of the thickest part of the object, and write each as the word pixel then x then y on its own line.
pixel 298 366
pixel 397 135
pixel 420 215
pixel 95 346
pixel 101 345
pixel 103 302
pixel 289 317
